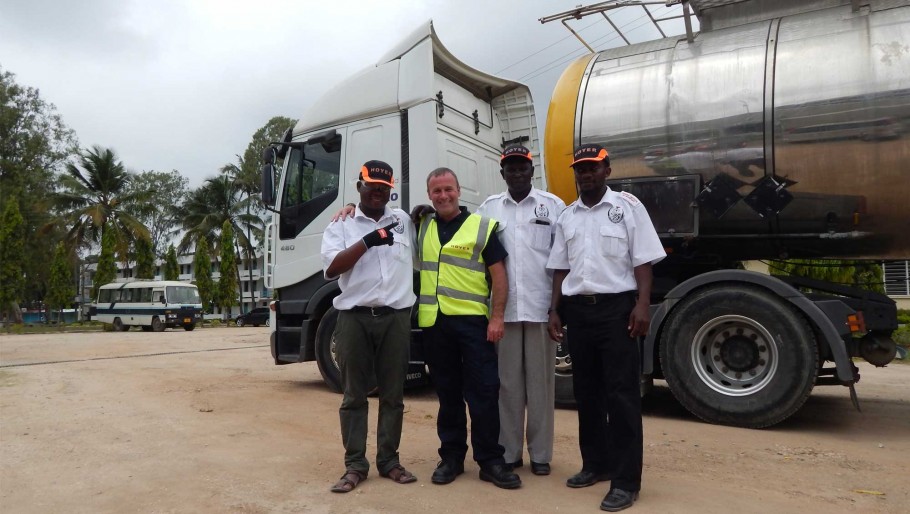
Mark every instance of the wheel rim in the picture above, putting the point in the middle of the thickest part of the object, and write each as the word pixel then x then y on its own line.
pixel 334 355
pixel 563 359
pixel 734 355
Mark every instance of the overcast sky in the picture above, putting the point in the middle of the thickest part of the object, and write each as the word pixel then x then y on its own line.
pixel 183 84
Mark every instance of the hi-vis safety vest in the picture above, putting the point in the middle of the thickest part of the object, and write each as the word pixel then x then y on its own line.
pixel 454 277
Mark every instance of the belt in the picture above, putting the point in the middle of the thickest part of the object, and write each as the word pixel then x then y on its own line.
pixel 594 299
pixel 376 311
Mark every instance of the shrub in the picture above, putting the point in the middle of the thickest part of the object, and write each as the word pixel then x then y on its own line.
pixel 902 335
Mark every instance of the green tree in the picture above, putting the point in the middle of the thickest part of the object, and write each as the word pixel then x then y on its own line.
pixel 107 268
pixel 206 210
pixel 60 289
pixel 226 292
pixel 158 192
pixel 246 176
pixel 34 144
pixel 96 195
pixel 862 274
pixel 202 266
pixel 145 259
pixel 12 262
pixel 171 267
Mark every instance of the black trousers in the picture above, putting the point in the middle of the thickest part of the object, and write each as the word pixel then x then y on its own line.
pixel 605 375
pixel 464 368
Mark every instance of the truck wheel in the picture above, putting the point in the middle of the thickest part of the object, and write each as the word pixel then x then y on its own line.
pixel 239 322
pixel 564 392
pixel 738 355
pixel 157 325
pixel 118 325
pixel 190 327
pixel 325 350
pixel 325 353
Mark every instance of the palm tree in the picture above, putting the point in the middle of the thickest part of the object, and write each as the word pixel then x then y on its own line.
pixel 247 182
pixel 93 198
pixel 206 209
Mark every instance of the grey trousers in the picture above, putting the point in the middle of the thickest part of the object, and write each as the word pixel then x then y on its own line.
pixel 527 379
pixel 366 344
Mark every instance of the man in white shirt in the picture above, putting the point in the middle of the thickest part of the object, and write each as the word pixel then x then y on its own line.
pixel 602 254
pixel 527 220
pixel 370 255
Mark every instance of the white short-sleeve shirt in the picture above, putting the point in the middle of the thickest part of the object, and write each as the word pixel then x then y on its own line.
pixel 526 231
pixel 383 277
pixel 601 245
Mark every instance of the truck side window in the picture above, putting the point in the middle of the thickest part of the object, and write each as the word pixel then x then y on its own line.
pixel 310 185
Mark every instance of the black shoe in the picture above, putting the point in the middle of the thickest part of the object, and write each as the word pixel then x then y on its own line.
pixel 585 478
pixel 515 465
pixel 540 468
pixel 447 471
pixel 501 476
pixel 618 499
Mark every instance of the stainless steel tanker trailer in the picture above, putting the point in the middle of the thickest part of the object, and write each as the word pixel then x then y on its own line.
pixel 778 131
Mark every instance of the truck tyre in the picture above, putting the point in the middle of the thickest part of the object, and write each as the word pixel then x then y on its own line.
pixel 565 394
pixel 157 325
pixel 118 325
pixel 239 322
pixel 738 355
pixel 325 353
pixel 190 327
pixel 325 350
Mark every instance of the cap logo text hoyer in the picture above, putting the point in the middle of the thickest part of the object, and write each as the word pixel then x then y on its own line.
pixel 380 171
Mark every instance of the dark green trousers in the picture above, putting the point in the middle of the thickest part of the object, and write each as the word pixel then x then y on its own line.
pixel 368 345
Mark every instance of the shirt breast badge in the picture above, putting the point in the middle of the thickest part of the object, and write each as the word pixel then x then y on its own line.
pixel 400 226
pixel 541 211
pixel 615 214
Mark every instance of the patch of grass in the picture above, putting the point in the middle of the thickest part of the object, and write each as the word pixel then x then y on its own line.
pixel 53 328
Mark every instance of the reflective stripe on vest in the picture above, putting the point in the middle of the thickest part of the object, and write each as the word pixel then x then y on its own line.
pixel 453 277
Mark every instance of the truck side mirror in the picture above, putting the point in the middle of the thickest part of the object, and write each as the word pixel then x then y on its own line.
pixel 268 188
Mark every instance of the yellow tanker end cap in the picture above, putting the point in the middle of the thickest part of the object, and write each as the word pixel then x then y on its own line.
pixel 559 139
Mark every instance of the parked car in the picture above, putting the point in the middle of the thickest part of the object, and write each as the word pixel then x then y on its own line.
pixel 256 317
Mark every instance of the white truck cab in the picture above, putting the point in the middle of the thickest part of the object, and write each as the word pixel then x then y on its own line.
pixel 418 108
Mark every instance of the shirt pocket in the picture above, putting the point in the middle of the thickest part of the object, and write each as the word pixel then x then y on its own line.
pixel 574 244
pixel 537 236
pixel 614 241
pixel 402 246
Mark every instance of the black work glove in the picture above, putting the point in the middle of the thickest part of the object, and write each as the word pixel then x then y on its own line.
pixel 419 211
pixel 380 236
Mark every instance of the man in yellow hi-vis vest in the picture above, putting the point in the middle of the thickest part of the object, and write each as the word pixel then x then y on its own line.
pixel 457 253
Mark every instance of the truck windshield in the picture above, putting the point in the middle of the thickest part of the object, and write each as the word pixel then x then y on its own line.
pixel 310 185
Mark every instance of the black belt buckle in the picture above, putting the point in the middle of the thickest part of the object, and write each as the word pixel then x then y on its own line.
pixel 587 299
pixel 374 311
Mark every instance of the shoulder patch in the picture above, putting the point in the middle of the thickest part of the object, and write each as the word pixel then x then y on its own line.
pixel 629 197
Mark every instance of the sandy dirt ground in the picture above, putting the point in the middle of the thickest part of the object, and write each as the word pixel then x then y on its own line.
pixel 204 422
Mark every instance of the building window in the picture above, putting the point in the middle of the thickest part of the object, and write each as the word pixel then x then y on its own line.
pixel 897 278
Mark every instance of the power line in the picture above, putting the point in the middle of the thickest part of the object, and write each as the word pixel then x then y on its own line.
pixel 565 58
pixel 544 48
